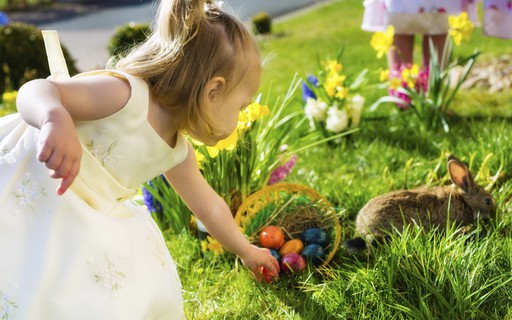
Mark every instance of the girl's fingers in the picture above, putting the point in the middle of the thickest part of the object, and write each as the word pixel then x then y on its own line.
pixel 68 179
pixel 63 169
pixel 65 184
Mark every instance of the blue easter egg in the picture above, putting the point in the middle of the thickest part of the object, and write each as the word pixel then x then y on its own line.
pixel 317 236
pixel 276 255
pixel 314 253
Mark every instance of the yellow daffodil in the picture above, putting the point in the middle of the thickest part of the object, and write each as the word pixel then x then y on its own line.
pixel 204 245
pixel 332 82
pixel 226 144
pixel 395 83
pixel 332 66
pixel 210 244
pixel 342 92
pixel 199 158
pixel 409 75
pixel 253 112
pixel 382 41
pixel 460 27
pixel 384 75
pixel 9 96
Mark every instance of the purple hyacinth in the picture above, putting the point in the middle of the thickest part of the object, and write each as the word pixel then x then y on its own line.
pixel 151 203
pixel 281 172
pixel 4 19
pixel 306 90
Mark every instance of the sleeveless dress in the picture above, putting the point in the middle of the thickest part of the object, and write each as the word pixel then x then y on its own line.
pixel 498 18
pixel 414 16
pixel 91 253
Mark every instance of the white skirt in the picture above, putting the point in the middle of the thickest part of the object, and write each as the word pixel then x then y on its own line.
pixel 63 259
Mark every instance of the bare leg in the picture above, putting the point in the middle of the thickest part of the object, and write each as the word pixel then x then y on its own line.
pixel 438 41
pixel 402 51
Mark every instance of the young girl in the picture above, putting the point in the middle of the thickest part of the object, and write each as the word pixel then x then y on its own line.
pixel 73 246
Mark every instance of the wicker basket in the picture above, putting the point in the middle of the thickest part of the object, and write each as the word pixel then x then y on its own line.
pixel 316 211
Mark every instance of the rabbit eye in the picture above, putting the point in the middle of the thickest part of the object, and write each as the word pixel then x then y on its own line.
pixel 488 201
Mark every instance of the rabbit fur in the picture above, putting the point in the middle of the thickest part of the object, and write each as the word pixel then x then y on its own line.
pixel 427 207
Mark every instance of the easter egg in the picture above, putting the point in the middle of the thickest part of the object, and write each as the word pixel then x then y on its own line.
pixel 294 245
pixel 275 254
pixel 267 276
pixel 316 235
pixel 314 253
pixel 293 263
pixel 272 237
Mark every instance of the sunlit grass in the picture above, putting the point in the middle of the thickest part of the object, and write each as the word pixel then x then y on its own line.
pixel 439 275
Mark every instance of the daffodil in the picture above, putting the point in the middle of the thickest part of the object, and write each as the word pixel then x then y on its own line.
pixel 226 144
pixel 210 244
pixel 332 66
pixel 384 75
pixel 199 158
pixel 382 41
pixel 409 75
pixel 333 82
pixel 247 116
pixel 341 92
pixel 395 83
pixel 253 112
pixel 460 27
pixel 9 96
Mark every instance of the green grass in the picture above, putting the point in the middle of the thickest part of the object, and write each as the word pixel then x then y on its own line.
pixel 439 275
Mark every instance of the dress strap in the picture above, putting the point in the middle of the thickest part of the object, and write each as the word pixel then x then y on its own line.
pixel 56 61
pixel 103 194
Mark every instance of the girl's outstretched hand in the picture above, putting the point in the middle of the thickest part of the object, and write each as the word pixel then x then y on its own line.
pixel 262 264
pixel 60 150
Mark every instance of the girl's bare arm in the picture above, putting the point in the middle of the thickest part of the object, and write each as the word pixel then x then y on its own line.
pixel 54 106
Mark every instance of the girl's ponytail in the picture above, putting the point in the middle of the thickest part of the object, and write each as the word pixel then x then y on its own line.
pixel 178 22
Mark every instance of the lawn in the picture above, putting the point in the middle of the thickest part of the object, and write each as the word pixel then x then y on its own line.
pixel 449 275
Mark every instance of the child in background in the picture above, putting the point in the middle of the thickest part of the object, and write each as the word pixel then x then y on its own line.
pixel 85 251
pixel 498 18
pixel 428 18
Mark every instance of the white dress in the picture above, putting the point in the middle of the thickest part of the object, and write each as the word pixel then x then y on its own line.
pixel 91 253
pixel 414 16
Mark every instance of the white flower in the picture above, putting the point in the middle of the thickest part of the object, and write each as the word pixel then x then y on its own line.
pixel 315 109
pixel 337 120
pixel 356 107
pixel 28 192
pixel 110 277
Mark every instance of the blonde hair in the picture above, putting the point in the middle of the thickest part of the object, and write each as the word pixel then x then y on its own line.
pixel 191 42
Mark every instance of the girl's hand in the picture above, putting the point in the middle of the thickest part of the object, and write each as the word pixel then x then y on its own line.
pixel 60 150
pixel 259 261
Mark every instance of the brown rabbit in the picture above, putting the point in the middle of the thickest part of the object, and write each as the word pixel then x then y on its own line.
pixel 428 207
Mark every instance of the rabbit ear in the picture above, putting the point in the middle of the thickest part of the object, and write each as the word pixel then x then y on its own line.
pixel 459 174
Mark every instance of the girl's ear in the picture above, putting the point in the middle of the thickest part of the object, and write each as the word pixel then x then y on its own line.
pixel 214 89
